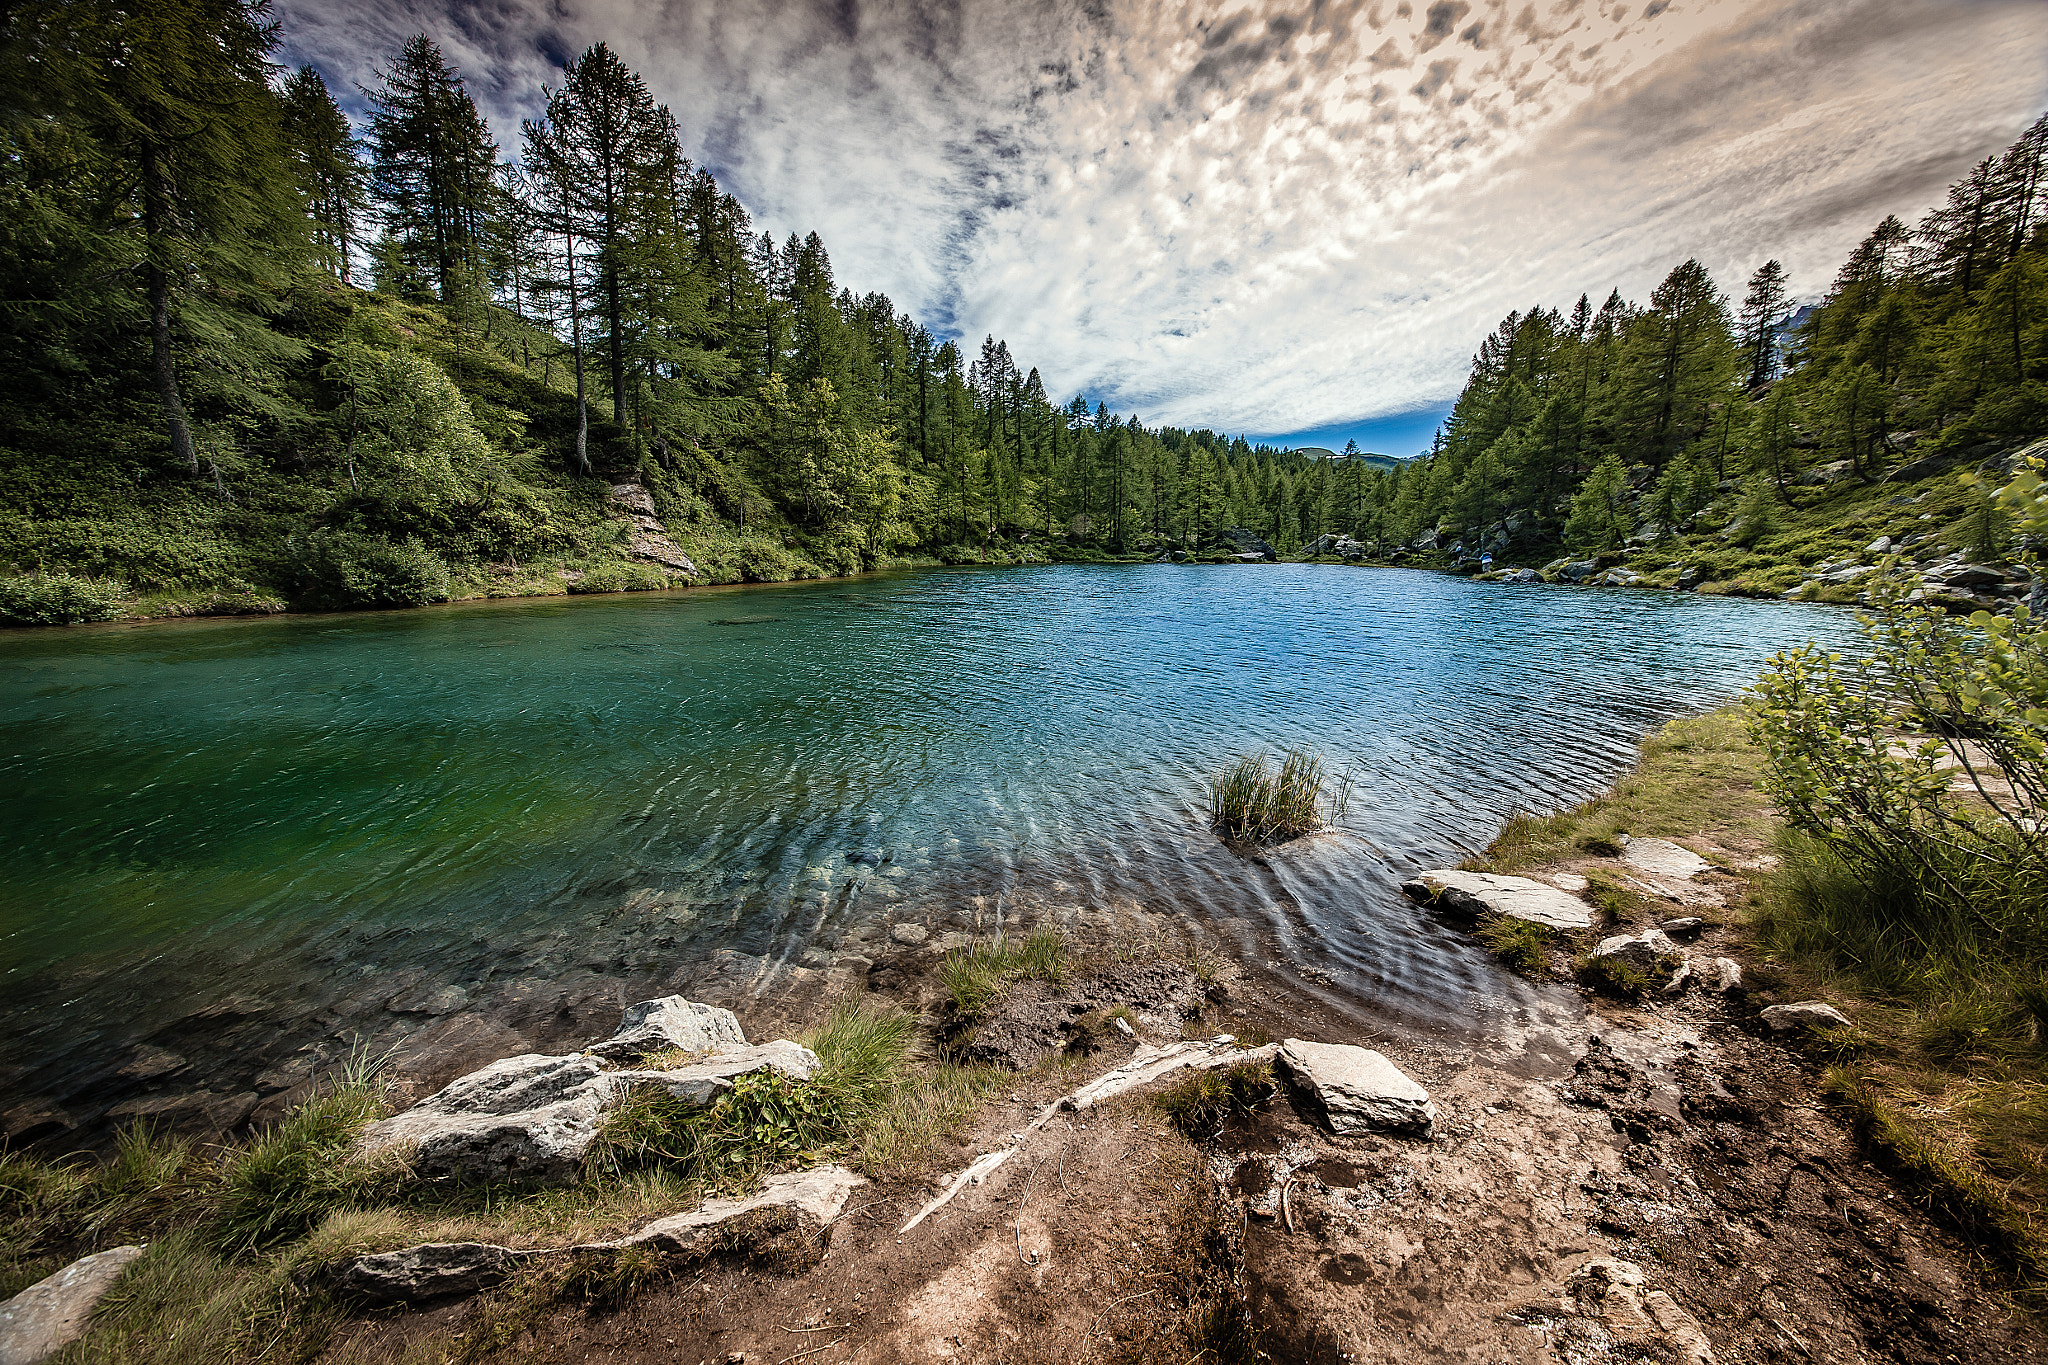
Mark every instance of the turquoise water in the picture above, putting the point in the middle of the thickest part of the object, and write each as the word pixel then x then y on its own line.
pixel 277 810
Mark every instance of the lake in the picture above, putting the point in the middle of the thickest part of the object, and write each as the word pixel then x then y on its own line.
pixel 231 840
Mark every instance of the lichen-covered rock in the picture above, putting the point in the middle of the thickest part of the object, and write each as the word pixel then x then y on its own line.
pixel 1359 1089
pixel 1479 893
pixel 670 1022
pixel 52 1312
pixel 818 1194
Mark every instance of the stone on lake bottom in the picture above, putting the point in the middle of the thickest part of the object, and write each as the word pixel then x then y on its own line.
pixel 909 935
pixel 1478 893
pixel 1359 1089
pixel 51 1313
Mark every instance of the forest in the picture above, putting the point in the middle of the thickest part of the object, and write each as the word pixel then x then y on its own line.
pixel 252 357
pixel 256 356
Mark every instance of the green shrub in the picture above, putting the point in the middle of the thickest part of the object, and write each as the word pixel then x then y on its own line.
pixel 57 599
pixel 620 578
pixel 341 569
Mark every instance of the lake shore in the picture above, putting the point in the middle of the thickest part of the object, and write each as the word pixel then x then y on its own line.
pixel 1661 1175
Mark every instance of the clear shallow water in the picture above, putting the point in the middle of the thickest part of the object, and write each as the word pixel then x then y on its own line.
pixel 282 809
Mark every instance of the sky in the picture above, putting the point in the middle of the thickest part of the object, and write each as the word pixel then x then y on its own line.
pixel 1290 219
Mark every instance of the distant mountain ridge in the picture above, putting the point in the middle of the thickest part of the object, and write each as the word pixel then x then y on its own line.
pixel 1384 463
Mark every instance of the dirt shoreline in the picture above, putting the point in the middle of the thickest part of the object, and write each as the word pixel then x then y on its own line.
pixel 1654 1181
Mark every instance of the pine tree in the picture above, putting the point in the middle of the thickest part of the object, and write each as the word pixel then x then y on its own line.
pixel 1763 312
pixel 433 169
pixel 330 160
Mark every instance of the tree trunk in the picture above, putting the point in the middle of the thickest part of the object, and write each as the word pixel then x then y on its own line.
pixel 163 358
pixel 576 348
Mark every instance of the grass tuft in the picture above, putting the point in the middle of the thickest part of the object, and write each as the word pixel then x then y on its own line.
pixel 1201 1103
pixel 1521 945
pixel 977 976
pixel 1250 803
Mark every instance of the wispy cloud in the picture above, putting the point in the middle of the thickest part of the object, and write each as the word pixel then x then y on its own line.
pixel 1277 216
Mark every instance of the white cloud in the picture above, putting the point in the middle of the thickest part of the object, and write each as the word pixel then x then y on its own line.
pixel 1272 216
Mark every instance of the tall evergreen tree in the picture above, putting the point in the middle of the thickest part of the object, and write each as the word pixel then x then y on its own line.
pixel 433 170
pixel 1763 312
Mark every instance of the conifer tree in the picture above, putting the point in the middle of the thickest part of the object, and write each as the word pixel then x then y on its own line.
pixel 1763 312
pixel 330 159
pixel 433 169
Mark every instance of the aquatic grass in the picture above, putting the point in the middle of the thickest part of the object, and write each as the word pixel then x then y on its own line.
pixel 1250 803
pixel 1521 945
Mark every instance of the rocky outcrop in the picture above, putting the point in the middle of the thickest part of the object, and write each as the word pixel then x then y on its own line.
pixel 1662 858
pixel 1614 1294
pixel 1246 545
pixel 1480 893
pixel 648 538
pixel 531 1118
pixel 1804 1014
pixel 439 1270
pixel 52 1312
pixel 1360 1090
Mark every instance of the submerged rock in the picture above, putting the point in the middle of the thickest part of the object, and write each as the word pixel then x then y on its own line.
pixel 1478 893
pixel 51 1313
pixel 1359 1089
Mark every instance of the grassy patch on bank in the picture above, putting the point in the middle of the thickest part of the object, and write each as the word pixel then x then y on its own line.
pixel 977 976
pixel 1697 775
pixel 233 1233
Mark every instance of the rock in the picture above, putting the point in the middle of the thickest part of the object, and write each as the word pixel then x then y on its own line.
pixel 1680 979
pixel 819 1194
pixel 1425 541
pixel 429 1000
pixel 531 1118
pixel 1663 858
pixel 1881 546
pixel 670 1022
pixel 434 1270
pixel 1727 974
pixel 1612 1292
pixel 1359 1089
pixel 1685 924
pixel 1521 576
pixel 647 538
pixel 1577 570
pixel 438 1270
pixel 52 1312
pixel 1968 576
pixel 1246 544
pixel 1804 1014
pixel 1477 893
pixel 909 935
pixel 1644 951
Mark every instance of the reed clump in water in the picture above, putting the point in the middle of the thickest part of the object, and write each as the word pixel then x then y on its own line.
pixel 1250 803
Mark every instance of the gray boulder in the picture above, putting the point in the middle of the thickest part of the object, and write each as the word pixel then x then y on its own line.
pixel 1727 974
pixel 670 1022
pixel 418 1274
pixel 1643 951
pixel 52 1313
pixel 1521 576
pixel 1663 858
pixel 818 1194
pixel 532 1118
pixel 1577 570
pixel 1359 1089
pixel 1804 1014
pixel 1479 893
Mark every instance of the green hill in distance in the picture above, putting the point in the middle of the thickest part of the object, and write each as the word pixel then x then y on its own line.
pixel 1384 463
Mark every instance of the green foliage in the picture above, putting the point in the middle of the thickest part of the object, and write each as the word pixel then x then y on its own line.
pixel 1598 521
pixel 282 1184
pixel 57 599
pixel 1202 1102
pixel 1250 803
pixel 1521 945
pixel 341 569
pixel 976 976
pixel 620 578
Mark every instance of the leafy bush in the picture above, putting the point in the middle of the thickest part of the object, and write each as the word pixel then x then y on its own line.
pixel 342 569
pixel 620 578
pixel 57 600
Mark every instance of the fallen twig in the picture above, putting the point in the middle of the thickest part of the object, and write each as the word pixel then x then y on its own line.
pixel 1286 1218
pixel 813 1351
pixel 1105 1313
pixel 972 1175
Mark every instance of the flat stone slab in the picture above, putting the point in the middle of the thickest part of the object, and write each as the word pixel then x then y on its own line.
pixel 1662 858
pixel 1359 1089
pixel 1479 893
pixel 670 1022
pixel 439 1270
pixel 52 1313
pixel 1804 1014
